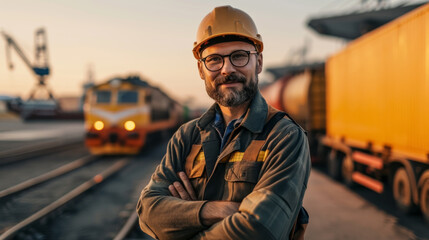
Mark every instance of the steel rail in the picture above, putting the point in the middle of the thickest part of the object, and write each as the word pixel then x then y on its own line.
pixel 97 179
pixel 46 176
pixel 125 230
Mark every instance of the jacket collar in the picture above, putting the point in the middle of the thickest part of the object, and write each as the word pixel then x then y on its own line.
pixel 254 120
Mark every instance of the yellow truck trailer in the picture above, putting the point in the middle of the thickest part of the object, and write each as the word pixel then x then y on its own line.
pixel 377 110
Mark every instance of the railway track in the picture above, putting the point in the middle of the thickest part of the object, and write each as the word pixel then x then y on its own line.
pixel 17 219
pixel 16 172
pixel 127 228
pixel 131 230
pixel 72 200
pixel 9 192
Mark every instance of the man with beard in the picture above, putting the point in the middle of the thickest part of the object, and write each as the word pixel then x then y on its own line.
pixel 240 170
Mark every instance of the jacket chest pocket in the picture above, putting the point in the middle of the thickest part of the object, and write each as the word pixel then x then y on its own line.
pixel 240 179
pixel 194 168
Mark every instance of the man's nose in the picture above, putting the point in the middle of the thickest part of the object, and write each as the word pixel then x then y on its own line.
pixel 227 67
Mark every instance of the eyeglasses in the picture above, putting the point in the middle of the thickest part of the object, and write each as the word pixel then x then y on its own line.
pixel 215 62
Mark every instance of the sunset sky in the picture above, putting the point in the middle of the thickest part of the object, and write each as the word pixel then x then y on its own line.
pixel 150 38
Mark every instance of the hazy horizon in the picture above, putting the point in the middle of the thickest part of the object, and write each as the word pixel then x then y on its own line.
pixel 152 39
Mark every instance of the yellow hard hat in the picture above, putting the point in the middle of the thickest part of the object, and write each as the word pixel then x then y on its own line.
pixel 227 21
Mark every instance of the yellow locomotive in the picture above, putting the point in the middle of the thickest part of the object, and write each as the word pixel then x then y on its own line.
pixel 120 113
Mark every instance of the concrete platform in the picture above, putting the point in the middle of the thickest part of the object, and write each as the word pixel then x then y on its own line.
pixel 15 133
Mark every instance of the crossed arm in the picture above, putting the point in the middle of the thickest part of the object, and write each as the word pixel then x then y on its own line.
pixel 212 211
pixel 169 210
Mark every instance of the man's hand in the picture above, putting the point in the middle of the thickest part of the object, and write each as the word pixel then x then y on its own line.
pixel 177 190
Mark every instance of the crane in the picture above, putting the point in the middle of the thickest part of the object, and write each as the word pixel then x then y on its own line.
pixel 36 106
pixel 40 66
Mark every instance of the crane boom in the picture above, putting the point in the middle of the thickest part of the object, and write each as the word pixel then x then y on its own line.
pixel 39 69
pixel 11 42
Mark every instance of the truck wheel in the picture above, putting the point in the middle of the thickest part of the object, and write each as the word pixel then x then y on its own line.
pixel 322 152
pixel 424 200
pixel 334 165
pixel 347 169
pixel 402 191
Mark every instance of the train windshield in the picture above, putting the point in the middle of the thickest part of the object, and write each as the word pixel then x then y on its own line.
pixel 103 96
pixel 127 96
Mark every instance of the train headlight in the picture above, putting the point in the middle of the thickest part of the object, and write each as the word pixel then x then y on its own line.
pixel 129 125
pixel 98 125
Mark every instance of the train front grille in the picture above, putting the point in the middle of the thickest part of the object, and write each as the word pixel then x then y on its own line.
pixel 113 137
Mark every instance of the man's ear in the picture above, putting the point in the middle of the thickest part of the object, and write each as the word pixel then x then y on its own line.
pixel 260 62
pixel 200 69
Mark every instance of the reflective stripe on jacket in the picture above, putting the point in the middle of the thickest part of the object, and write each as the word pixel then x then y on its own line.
pixel 270 184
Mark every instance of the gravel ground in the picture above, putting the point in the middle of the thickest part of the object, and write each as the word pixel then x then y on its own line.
pixel 30 201
pixel 18 172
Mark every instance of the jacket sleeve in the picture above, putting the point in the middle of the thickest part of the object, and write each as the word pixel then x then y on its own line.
pixel 161 215
pixel 271 209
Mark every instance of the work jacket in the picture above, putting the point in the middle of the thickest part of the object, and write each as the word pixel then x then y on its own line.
pixel 269 182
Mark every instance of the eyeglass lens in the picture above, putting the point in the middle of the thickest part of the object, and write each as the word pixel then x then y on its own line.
pixel 238 58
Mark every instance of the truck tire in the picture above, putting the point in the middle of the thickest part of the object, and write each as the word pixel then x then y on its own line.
pixel 322 153
pixel 334 165
pixel 424 200
pixel 402 191
pixel 347 168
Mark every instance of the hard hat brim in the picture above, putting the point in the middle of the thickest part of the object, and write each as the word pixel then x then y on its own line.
pixel 257 42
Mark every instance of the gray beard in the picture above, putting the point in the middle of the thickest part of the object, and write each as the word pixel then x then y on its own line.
pixel 233 97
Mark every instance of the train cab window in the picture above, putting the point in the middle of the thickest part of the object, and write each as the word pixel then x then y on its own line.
pixel 125 96
pixel 148 98
pixel 103 96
